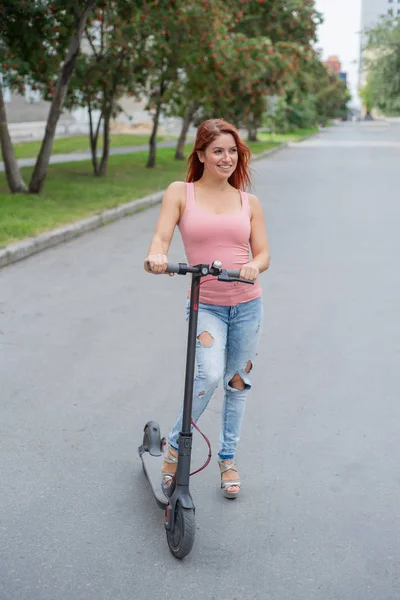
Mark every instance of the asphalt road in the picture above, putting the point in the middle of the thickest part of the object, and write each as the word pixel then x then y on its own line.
pixel 91 347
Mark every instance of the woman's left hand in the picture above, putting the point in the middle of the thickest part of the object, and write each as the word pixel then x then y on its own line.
pixel 249 272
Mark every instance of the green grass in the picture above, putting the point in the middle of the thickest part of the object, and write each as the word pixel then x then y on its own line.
pixel 80 143
pixel 293 136
pixel 72 192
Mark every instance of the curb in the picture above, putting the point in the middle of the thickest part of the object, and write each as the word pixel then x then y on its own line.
pixel 21 250
pixel 270 152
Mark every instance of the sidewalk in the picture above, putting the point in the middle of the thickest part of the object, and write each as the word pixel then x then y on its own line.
pixel 87 155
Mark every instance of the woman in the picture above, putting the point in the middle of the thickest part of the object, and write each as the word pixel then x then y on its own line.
pixel 217 221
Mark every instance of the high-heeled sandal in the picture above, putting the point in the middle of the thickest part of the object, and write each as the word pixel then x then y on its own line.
pixel 170 459
pixel 225 485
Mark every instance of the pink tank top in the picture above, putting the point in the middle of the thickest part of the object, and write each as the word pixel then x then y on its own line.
pixel 207 237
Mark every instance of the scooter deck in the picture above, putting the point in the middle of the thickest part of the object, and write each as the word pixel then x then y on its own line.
pixel 152 466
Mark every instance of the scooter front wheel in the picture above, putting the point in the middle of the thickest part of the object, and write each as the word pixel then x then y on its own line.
pixel 181 537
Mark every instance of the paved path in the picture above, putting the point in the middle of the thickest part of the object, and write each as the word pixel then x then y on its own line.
pixel 79 156
pixel 91 348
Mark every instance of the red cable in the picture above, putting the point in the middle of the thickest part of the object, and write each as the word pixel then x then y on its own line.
pixel 209 449
pixel 195 307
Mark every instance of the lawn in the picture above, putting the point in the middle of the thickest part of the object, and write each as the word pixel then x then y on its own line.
pixel 293 136
pixel 72 192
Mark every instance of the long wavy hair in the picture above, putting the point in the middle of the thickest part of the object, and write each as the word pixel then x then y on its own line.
pixel 206 133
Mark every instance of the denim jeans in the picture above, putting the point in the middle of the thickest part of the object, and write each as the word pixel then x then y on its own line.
pixel 235 332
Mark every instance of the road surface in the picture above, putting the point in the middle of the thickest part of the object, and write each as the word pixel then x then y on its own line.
pixel 91 348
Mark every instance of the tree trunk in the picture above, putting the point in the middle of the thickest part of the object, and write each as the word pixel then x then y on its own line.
pixel 179 153
pixel 151 163
pixel 106 143
pixel 40 170
pixel 94 136
pixel 252 134
pixel 152 144
pixel 15 182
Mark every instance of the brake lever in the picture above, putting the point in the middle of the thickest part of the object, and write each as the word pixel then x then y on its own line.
pixel 226 278
pixel 242 280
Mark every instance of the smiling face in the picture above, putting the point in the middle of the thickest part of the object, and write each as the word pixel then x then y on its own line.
pixel 220 158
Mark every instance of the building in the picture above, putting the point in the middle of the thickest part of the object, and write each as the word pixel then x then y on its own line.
pixel 333 64
pixel 27 116
pixel 371 12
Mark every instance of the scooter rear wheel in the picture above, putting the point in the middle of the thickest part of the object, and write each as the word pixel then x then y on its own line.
pixel 181 537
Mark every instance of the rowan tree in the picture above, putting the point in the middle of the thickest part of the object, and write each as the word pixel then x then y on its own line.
pixel 40 42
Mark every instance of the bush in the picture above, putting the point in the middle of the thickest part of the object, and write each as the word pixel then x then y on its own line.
pixel 302 114
pixel 288 117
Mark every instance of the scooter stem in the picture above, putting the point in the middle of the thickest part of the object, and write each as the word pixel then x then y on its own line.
pixel 190 355
pixel 185 439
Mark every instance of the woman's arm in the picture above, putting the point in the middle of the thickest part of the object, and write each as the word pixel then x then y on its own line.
pixel 258 242
pixel 168 219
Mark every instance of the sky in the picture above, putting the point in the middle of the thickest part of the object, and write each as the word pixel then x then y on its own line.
pixel 339 35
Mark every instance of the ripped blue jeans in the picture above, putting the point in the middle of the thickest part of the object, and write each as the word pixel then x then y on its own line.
pixel 235 332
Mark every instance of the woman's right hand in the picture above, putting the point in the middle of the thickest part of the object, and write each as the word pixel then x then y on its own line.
pixel 156 263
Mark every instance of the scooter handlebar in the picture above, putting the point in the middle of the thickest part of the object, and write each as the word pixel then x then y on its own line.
pixel 184 269
pixel 223 274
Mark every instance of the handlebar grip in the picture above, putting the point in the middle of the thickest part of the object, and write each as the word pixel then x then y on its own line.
pixel 233 273
pixel 173 268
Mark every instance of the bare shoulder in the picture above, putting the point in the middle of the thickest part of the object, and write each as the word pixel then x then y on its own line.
pixel 255 205
pixel 177 187
pixel 175 193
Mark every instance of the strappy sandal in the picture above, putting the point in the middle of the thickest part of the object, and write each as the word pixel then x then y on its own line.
pixel 170 459
pixel 225 485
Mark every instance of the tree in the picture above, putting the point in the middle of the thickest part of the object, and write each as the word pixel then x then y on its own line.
pixel 316 94
pixel 279 20
pixel 319 90
pixel 313 96
pixel 332 99
pixel 366 93
pixel 179 42
pixel 185 57
pixel 260 69
pixel 208 62
pixel 159 22
pixel 383 64
pixel 39 44
pixel 14 179
pixel 287 29
pixel 297 108
pixel 60 91
pixel 113 65
pixel 24 27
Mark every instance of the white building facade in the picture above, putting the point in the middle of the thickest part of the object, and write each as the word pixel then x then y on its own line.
pixel 371 12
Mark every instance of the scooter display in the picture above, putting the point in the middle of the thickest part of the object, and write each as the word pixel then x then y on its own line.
pixel 176 499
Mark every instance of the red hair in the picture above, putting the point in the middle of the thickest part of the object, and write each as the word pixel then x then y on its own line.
pixel 207 132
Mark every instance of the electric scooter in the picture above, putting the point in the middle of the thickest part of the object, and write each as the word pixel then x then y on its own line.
pixel 176 499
